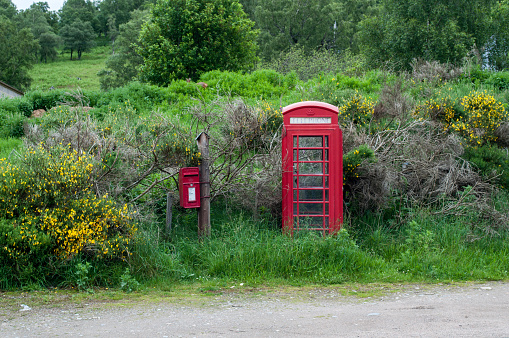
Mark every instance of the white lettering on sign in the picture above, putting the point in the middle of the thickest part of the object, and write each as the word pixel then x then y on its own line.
pixel 192 194
pixel 310 120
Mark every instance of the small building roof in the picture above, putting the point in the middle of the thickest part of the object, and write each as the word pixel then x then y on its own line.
pixel 17 91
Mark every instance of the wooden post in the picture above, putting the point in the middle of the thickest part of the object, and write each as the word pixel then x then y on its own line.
pixel 169 204
pixel 204 211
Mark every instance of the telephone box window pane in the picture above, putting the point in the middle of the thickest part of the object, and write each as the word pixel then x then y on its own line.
pixel 326 179
pixel 310 142
pixel 310 155
pixel 295 158
pixel 310 181
pixel 295 195
pixel 311 195
pixel 326 141
pixel 295 180
pixel 310 222
pixel 310 168
pixel 326 157
pixel 326 208
pixel 326 195
pixel 326 168
pixel 295 141
pixel 310 209
pixel 295 208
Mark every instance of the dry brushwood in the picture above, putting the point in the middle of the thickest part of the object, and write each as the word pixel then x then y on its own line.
pixel 392 103
pixel 433 71
pixel 418 162
pixel 245 157
pixel 502 134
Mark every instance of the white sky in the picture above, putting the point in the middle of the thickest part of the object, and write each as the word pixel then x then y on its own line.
pixel 54 5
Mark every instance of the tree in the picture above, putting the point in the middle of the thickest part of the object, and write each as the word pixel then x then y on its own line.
pixel 36 19
pixel 119 9
pixel 79 37
pixel 186 38
pixel 498 47
pixel 84 10
pixel 284 24
pixel 122 67
pixel 17 54
pixel 439 30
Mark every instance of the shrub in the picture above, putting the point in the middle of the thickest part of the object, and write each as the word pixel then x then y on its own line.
pixel 357 109
pixel 491 162
pixel 439 110
pixel 21 106
pixel 50 211
pixel 483 115
pixel 11 124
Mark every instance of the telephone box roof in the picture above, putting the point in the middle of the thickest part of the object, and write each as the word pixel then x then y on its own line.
pixel 314 104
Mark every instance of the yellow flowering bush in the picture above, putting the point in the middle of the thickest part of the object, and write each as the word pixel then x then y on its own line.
pixel 357 109
pixel 353 159
pixel 48 210
pixel 441 110
pixel 483 115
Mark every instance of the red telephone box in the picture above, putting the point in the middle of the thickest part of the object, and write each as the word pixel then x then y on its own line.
pixel 312 168
pixel 189 187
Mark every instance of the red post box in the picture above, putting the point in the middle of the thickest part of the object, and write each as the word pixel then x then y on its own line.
pixel 189 187
pixel 312 149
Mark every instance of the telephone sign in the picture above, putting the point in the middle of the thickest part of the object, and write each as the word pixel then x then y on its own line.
pixel 312 149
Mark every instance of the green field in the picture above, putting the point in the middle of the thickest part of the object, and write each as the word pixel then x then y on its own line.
pixel 66 74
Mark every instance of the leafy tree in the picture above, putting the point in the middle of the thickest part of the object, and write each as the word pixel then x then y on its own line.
pixel 78 36
pixel 498 47
pixel 17 54
pixel 112 31
pixel 120 10
pixel 36 19
pixel 186 38
pixel 7 9
pixel 440 30
pixel 283 24
pixel 84 10
pixel 122 67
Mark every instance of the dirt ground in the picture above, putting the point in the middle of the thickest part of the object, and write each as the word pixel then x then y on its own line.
pixel 466 310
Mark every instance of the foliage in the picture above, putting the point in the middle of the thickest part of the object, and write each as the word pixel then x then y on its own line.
pixel 81 278
pixel 122 66
pixel 285 24
pixel 440 31
pixel 441 110
pixel 354 159
pixel 261 84
pixel 11 124
pixel 78 10
pixel 309 65
pixel 18 49
pixel 186 38
pixel 492 161
pixel 127 282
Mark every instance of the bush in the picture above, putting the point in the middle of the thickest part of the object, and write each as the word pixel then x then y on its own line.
pixel 357 109
pixel 49 211
pixel 21 106
pixel 491 162
pixel 482 116
pixel 11 124
pixel 258 84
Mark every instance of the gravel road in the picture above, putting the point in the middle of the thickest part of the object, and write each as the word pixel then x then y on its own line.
pixel 467 310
